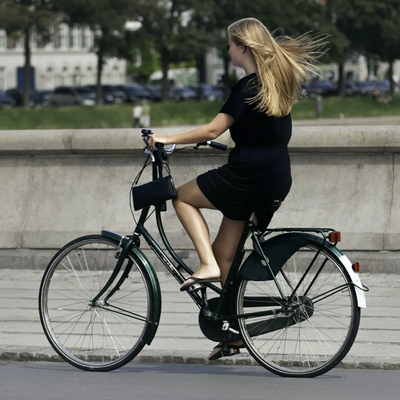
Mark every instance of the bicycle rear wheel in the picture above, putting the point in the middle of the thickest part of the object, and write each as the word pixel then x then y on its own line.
pixel 314 332
pixel 101 336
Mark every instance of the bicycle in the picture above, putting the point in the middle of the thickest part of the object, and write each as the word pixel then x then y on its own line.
pixel 294 301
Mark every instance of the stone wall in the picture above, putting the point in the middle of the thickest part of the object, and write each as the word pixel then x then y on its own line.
pixel 57 185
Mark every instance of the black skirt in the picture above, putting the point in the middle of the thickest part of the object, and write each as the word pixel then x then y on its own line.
pixel 239 189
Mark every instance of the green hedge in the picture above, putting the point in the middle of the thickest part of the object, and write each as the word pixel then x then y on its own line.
pixel 170 114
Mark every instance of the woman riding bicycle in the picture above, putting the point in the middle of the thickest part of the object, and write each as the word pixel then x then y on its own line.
pixel 257 176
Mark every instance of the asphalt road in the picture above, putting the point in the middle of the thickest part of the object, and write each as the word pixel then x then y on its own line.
pixel 59 381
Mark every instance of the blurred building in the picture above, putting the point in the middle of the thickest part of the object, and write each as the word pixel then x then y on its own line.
pixel 64 60
pixel 359 69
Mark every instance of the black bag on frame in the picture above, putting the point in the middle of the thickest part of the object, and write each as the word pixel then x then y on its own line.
pixel 153 193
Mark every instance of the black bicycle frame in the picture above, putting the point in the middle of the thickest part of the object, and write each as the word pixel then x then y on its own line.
pixel 140 230
pixel 226 292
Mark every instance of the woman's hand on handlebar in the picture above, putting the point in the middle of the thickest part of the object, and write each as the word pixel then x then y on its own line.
pixel 157 139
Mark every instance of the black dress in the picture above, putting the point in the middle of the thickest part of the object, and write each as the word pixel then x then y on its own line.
pixel 257 176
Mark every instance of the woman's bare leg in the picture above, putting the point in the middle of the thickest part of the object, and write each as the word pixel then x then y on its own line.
pixel 226 243
pixel 190 199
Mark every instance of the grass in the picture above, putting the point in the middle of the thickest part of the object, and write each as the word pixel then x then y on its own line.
pixel 170 114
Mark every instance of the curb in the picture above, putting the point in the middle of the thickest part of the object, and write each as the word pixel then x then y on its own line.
pixel 26 356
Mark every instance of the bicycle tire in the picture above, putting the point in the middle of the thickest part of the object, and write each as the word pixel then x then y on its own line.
pixel 318 332
pixel 111 333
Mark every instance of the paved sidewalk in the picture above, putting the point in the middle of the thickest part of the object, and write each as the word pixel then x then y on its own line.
pixel 179 338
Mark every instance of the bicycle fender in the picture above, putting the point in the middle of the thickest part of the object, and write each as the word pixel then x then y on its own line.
pixel 140 257
pixel 280 248
pixel 360 293
pixel 277 250
pixel 356 280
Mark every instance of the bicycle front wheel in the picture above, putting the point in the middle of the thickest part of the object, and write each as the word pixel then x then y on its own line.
pixel 109 333
pixel 311 333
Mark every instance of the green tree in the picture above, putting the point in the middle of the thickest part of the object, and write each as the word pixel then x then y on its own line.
pixel 18 18
pixel 107 19
pixel 166 22
pixel 372 28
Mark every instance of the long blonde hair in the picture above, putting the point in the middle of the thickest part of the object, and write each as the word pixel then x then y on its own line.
pixel 281 63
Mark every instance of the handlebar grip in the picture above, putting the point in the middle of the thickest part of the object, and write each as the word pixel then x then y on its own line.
pixel 217 145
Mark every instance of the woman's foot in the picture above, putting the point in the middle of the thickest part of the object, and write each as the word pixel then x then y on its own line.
pixel 193 280
pixel 207 273
pixel 225 349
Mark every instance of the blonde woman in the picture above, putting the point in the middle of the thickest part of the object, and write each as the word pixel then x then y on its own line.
pixel 257 176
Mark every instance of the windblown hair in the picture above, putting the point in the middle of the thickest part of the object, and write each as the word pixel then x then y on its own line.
pixel 282 63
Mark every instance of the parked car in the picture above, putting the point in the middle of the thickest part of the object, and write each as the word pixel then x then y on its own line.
pixel 45 96
pixel 366 87
pixel 322 88
pixel 134 92
pixel 117 95
pixel 18 95
pixel 351 89
pixel 6 101
pixel 208 92
pixel 155 92
pixel 383 86
pixel 108 94
pixel 182 93
pixel 64 96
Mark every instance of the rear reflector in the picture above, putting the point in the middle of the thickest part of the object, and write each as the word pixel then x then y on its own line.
pixel 334 237
pixel 356 266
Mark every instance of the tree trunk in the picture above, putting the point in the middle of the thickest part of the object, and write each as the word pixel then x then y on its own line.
pixel 201 75
pixel 390 72
pixel 368 68
pixel 100 64
pixel 226 77
pixel 27 69
pixel 165 61
pixel 341 91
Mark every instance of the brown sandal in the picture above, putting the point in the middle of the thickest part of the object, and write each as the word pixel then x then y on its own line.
pixel 197 281
pixel 225 349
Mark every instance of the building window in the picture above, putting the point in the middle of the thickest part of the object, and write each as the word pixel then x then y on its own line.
pixel 76 38
pixel 2 78
pixel 115 75
pixel 77 77
pixel 87 38
pixel 3 39
pixel 65 78
pixel 63 37
pixel 33 38
pixel 90 79
pixel 19 43
pixel 49 78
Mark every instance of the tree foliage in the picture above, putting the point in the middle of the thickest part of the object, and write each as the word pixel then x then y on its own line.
pixel 185 30
pixel 18 17
pixel 371 27
pixel 107 19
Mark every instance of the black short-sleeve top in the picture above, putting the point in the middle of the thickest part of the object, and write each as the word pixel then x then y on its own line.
pixel 258 168
pixel 252 128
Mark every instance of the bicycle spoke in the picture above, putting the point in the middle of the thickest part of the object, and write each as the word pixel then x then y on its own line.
pixel 312 333
pixel 98 336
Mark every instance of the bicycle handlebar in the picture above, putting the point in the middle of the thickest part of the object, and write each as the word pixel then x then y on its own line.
pixel 160 146
pixel 215 145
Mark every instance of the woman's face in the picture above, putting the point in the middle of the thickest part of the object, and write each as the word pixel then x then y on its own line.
pixel 236 53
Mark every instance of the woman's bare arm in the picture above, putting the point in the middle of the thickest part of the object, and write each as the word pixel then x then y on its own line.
pixel 211 131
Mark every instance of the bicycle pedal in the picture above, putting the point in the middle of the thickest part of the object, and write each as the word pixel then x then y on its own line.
pixel 196 287
pixel 230 351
